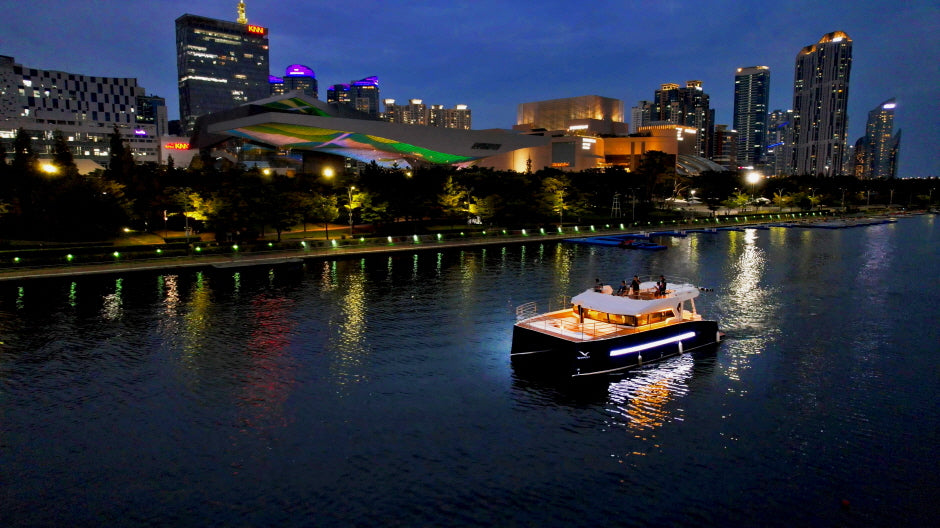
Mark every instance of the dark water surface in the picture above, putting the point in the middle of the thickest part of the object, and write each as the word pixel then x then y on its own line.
pixel 378 392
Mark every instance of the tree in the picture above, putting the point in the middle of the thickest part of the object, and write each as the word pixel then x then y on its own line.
pixel 555 192
pixel 62 155
pixel 455 199
pixel 121 164
pixel 323 208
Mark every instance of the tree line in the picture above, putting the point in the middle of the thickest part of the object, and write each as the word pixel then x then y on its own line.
pixel 52 201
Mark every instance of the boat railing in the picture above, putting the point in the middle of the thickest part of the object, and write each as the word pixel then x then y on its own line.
pixel 527 310
pixel 530 309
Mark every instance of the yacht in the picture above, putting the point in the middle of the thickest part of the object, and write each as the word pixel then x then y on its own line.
pixel 601 332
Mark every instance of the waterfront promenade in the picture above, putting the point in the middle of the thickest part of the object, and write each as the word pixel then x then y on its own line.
pixel 311 249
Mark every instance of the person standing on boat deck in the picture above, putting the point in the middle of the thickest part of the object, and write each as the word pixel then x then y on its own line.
pixel 661 286
pixel 622 290
pixel 635 285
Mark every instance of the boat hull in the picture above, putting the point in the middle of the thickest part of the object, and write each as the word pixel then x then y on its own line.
pixel 535 351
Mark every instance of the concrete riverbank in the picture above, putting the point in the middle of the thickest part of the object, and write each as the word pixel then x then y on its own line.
pixel 357 248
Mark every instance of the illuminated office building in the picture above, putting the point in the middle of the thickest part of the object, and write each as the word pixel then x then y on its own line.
pixel 751 101
pixel 876 153
pixel 220 64
pixel 85 108
pixel 820 101
pixel 297 78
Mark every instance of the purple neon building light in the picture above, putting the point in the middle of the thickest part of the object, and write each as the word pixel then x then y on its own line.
pixel 298 70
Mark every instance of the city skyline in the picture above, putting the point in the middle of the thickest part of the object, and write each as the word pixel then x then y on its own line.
pixel 493 56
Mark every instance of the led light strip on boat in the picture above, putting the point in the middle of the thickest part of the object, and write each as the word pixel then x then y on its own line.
pixel 652 344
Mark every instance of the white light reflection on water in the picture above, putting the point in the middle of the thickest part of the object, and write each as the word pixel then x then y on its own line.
pixel 751 303
pixel 112 308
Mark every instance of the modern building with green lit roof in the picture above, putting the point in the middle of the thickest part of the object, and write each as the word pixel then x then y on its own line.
pixel 296 123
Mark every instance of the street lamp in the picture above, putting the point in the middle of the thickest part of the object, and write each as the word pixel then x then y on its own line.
pixel 753 178
pixel 350 191
pixel 327 173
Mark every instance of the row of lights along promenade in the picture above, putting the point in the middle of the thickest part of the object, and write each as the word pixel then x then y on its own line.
pixel 59 262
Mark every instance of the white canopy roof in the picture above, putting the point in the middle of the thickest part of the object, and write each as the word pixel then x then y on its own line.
pixel 615 304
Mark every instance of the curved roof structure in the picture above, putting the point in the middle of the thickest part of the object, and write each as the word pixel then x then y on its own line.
pixel 694 165
pixel 293 121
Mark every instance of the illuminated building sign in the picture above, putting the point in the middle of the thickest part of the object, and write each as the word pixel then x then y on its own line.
pixel 257 30
pixel 176 146
pixel 561 164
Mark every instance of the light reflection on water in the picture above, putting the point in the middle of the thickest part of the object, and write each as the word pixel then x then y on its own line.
pixel 383 384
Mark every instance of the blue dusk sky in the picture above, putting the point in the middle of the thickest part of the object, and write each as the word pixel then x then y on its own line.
pixel 493 55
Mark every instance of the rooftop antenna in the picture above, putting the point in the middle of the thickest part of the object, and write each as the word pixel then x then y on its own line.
pixel 242 19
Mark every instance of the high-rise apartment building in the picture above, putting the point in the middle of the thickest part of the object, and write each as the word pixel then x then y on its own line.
pixel 297 78
pixel 363 95
pixel 779 150
pixel 418 113
pixel 220 64
pixel 413 113
pixel 688 106
pixel 876 153
pixel 457 117
pixel 85 108
pixel 820 101
pixel 751 102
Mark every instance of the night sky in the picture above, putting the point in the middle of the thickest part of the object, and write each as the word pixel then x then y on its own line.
pixel 493 55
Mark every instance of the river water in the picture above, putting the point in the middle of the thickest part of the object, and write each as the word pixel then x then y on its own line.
pixel 378 392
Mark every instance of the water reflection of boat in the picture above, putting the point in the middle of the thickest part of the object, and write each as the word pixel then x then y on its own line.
pixel 603 333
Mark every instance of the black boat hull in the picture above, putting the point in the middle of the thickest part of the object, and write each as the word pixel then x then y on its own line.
pixel 538 352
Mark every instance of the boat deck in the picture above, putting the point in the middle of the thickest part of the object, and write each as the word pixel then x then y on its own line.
pixel 565 325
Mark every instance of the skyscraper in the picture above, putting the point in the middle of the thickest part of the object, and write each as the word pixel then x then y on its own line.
pixel 751 99
pixel 220 64
pixel 363 95
pixel 297 77
pixel 779 143
pixel 820 99
pixel 876 152
pixel 687 106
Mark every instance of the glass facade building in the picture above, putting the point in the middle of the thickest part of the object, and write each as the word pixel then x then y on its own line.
pixel 876 153
pixel 220 65
pixel 751 101
pixel 820 101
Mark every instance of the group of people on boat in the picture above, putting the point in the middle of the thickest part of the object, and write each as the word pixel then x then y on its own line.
pixel 633 290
